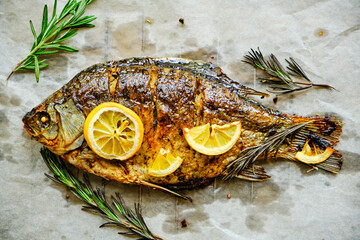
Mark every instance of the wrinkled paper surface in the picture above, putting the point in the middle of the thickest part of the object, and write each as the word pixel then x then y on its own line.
pixel 293 204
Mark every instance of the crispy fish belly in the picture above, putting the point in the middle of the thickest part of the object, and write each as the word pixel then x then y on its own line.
pixel 168 95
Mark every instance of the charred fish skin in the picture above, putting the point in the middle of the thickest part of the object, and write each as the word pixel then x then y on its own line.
pixel 168 95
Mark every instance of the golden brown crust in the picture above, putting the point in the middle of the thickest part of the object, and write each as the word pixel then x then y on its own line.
pixel 167 97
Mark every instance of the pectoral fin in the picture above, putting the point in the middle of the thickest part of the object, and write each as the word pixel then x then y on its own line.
pixel 253 173
pixel 71 123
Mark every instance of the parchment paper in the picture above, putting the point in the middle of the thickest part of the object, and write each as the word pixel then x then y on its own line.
pixel 293 204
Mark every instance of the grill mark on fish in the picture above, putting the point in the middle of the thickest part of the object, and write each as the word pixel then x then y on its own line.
pixel 123 95
pixel 113 78
pixel 187 114
pixel 152 84
pixel 193 82
pixel 164 113
pixel 198 100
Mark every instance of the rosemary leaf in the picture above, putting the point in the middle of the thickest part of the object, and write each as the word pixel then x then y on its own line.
pixel 96 200
pixel 69 34
pixel 33 32
pixel 66 48
pixel 45 18
pixel 47 52
pixel 37 68
pixel 57 29
pixel 295 69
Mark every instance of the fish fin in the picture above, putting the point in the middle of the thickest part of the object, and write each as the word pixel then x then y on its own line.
pixel 254 173
pixel 86 160
pixel 333 164
pixel 249 91
pixel 322 132
pixel 71 122
pixel 152 185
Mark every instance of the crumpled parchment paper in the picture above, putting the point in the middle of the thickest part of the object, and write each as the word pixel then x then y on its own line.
pixel 293 204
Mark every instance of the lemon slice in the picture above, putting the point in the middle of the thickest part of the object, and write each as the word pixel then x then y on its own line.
pixel 307 156
pixel 113 131
pixel 213 140
pixel 165 163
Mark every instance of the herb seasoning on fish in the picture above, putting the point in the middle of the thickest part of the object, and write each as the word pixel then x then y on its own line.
pixel 171 94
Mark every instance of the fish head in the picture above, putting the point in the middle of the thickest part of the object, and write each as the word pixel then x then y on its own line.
pixel 58 126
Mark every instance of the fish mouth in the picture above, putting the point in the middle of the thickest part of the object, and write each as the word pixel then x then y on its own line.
pixel 26 125
pixel 29 131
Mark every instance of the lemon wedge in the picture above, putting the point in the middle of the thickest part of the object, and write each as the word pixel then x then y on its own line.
pixel 165 163
pixel 113 131
pixel 214 139
pixel 310 157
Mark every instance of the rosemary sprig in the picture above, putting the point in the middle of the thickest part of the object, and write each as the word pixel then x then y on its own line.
pixel 251 154
pixel 53 32
pixel 96 200
pixel 280 79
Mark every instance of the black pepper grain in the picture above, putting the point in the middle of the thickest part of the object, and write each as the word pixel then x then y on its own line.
pixel 183 223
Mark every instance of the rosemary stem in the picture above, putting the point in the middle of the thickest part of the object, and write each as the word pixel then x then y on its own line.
pixel 322 85
pixel 9 76
pixel 151 185
pixel 314 84
pixel 305 83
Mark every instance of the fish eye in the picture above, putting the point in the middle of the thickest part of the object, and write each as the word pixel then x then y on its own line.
pixel 43 119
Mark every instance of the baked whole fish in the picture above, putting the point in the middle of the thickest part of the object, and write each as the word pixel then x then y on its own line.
pixel 169 95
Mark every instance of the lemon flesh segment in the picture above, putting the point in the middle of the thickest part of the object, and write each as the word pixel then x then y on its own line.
pixel 307 156
pixel 214 139
pixel 164 164
pixel 113 131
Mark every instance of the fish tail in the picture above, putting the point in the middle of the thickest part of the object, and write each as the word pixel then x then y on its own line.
pixel 321 132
